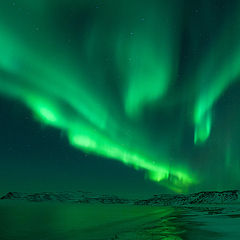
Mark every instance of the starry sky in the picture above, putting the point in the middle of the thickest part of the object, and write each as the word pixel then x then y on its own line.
pixel 128 97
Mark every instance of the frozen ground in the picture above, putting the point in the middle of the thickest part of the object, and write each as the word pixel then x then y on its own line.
pixel 56 221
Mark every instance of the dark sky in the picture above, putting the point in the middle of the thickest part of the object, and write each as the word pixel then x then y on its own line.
pixel 128 97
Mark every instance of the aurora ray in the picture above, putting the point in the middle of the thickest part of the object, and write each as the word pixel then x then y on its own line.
pixel 219 69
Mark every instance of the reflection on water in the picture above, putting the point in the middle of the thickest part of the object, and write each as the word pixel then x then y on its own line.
pixel 42 221
pixel 165 228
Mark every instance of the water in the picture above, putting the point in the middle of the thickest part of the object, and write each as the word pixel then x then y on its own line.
pixel 55 221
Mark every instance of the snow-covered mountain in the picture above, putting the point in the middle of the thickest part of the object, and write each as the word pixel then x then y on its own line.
pixel 73 197
pixel 225 197
pixel 213 197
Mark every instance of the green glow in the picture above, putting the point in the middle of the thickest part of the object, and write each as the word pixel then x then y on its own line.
pixel 150 49
pixel 132 81
pixel 219 69
pixel 47 115
pixel 70 96
pixel 83 141
pixel 203 127
pixel 177 180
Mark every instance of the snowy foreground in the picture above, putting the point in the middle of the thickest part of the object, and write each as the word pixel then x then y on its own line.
pixel 43 217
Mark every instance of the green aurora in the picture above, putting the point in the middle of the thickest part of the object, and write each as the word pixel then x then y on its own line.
pixel 107 74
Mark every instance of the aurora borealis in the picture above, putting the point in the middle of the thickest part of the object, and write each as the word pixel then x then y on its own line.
pixel 151 84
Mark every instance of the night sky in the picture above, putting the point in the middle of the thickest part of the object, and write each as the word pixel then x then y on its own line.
pixel 125 97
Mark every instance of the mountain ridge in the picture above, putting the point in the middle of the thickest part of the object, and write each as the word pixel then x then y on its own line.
pixel 208 197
